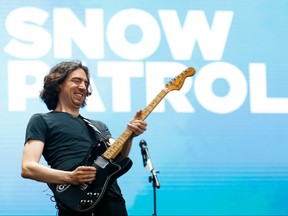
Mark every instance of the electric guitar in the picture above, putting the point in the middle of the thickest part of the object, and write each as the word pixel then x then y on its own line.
pixel 86 196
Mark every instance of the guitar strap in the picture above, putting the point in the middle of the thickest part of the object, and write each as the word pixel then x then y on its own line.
pixel 102 139
pixel 98 132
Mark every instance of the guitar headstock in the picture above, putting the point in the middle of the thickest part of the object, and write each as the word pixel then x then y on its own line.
pixel 177 82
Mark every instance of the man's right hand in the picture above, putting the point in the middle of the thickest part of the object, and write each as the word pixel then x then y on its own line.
pixel 83 174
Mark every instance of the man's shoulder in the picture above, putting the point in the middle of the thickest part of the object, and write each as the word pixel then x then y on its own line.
pixel 99 124
pixel 44 116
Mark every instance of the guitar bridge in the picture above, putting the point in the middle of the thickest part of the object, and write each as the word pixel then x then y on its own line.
pixel 101 162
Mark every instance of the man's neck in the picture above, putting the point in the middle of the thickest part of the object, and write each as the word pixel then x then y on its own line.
pixel 73 111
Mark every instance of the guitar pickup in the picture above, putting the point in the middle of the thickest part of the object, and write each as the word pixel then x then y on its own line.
pixel 101 162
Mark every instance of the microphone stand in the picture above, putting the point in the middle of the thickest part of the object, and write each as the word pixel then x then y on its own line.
pixel 147 162
pixel 155 184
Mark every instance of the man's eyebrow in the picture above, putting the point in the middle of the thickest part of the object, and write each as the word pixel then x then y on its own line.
pixel 80 79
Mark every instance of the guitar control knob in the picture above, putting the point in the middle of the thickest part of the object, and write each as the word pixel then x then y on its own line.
pixel 89 202
pixel 89 194
pixel 82 202
pixel 96 194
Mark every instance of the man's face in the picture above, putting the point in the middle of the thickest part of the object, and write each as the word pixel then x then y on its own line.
pixel 73 90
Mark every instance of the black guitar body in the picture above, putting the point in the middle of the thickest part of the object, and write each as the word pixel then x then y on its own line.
pixel 84 197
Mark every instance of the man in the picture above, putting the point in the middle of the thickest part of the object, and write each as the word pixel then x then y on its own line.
pixel 64 138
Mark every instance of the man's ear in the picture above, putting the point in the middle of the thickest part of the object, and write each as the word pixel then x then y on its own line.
pixel 59 87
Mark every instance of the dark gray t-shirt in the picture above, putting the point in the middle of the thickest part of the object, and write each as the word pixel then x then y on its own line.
pixel 67 140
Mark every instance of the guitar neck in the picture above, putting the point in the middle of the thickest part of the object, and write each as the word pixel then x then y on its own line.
pixel 117 146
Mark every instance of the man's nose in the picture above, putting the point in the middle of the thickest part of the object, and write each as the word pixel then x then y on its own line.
pixel 83 85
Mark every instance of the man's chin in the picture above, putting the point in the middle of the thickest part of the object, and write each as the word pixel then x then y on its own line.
pixel 78 104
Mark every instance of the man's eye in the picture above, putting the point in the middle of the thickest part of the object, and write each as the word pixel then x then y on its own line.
pixel 79 81
pixel 76 80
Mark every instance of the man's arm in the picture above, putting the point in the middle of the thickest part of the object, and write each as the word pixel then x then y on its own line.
pixel 137 126
pixel 32 169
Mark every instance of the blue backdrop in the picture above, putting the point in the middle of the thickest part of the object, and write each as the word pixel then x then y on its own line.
pixel 219 143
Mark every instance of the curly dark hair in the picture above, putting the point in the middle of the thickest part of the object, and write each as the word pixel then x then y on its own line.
pixel 57 76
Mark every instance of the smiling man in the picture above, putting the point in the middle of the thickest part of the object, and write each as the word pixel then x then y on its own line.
pixel 64 138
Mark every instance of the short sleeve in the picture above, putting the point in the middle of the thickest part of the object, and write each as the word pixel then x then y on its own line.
pixel 36 128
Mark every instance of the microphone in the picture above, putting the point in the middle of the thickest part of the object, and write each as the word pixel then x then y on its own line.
pixel 147 162
pixel 143 146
